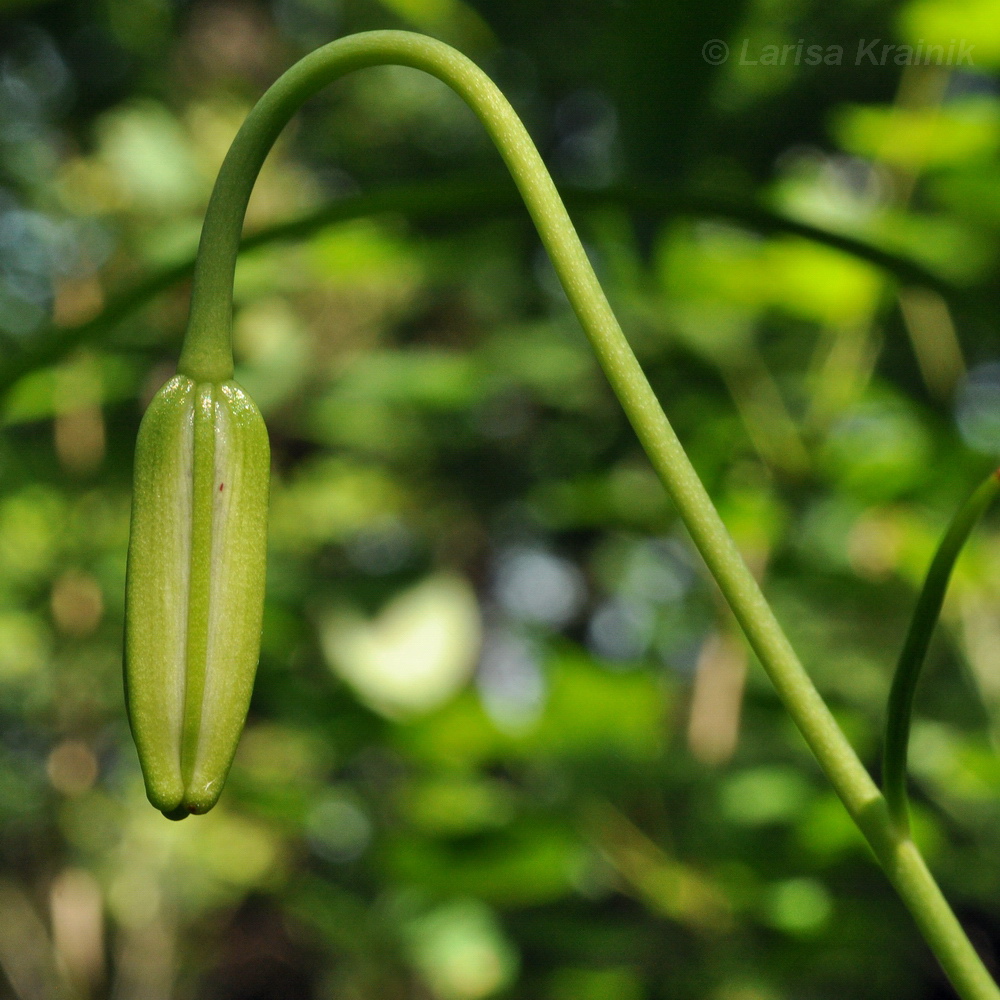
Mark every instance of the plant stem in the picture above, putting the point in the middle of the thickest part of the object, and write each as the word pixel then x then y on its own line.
pixel 925 616
pixel 207 355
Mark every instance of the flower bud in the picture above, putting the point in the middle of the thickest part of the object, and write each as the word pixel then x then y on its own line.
pixel 195 587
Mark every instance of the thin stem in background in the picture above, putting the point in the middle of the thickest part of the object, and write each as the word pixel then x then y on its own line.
pixel 925 617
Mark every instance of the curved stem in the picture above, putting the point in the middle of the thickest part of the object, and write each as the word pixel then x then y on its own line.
pixel 207 354
pixel 925 616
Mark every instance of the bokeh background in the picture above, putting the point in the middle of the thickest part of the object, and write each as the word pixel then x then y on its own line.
pixel 506 740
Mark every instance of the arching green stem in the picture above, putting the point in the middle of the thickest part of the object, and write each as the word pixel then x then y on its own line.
pixel 207 356
pixel 925 616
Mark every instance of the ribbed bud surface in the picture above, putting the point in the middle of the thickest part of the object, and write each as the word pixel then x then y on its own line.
pixel 195 587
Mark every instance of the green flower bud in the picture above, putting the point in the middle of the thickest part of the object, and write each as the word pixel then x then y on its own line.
pixel 195 587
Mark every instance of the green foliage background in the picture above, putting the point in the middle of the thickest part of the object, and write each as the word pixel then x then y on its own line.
pixel 505 740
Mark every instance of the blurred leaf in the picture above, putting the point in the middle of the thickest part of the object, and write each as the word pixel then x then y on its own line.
pixel 415 655
pixel 461 951
pixel 941 22
pixel 922 138
pixel 765 795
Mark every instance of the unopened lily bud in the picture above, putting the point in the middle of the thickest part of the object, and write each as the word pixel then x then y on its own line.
pixel 195 587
